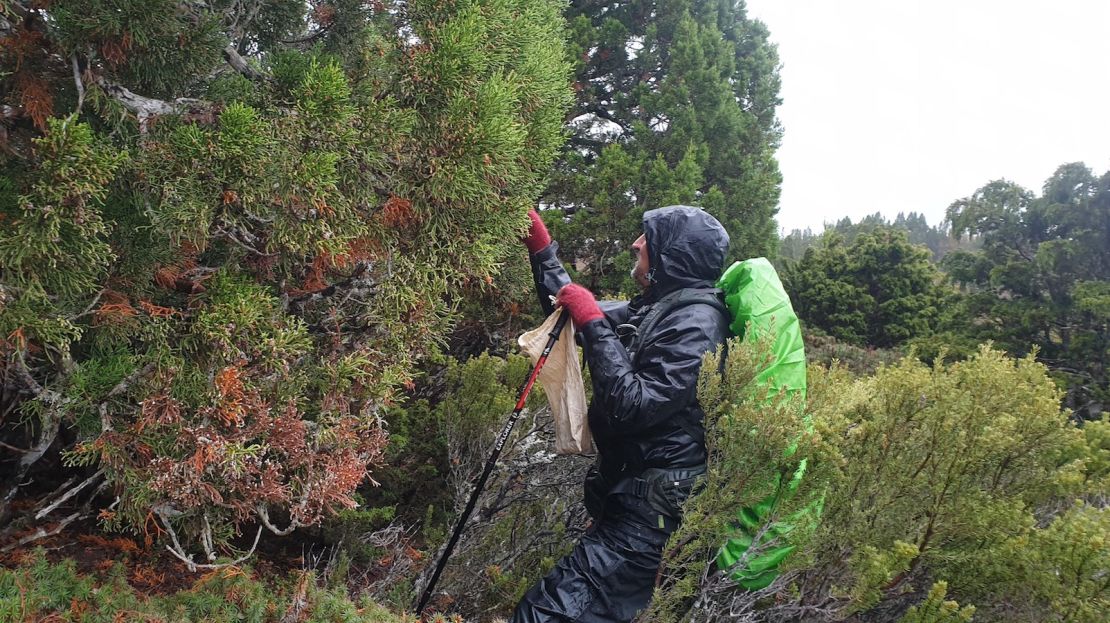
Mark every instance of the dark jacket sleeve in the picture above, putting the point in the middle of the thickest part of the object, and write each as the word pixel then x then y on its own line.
pixel 549 274
pixel 666 377
pixel 616 312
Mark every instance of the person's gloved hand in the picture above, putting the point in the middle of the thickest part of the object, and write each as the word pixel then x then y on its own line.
pixel 580 302
pixel 537 237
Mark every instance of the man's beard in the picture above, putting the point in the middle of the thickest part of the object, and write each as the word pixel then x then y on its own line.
pixel 644 280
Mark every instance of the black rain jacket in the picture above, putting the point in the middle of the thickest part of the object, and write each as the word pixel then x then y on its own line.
pixel 640 400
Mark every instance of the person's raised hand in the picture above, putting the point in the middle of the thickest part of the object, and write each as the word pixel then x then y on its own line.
pixel 537 237
pixel 580 302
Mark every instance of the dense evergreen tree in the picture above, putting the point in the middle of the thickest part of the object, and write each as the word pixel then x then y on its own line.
pixel 1042 278
pixel 675 104
pixel 877 290
pixel 231 229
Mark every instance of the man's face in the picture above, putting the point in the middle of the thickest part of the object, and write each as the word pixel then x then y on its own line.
pixel 640 256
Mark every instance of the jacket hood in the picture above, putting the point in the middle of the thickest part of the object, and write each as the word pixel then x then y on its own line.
pixel 686 248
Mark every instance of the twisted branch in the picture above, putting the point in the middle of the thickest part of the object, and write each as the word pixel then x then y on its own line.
pixel 240 64
pixel 265 517
pixel 164 512
pixel 145 108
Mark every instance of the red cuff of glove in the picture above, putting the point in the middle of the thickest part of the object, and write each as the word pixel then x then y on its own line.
pixel 580 302
pixel 537 237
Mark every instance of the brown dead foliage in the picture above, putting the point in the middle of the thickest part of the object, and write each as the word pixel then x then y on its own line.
pixel 35 97
pixel 397 213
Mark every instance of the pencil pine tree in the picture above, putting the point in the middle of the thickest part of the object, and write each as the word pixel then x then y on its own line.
pixel 230 230
pixel 675 103
pixel 1042 277
pixel 877 290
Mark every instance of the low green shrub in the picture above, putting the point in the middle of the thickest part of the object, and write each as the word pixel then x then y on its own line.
pixel 39 590
pixel 968 473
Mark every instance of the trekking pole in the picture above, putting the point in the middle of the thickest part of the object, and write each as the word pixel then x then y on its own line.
pixel 501 439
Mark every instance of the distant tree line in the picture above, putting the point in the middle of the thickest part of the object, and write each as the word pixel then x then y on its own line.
pixel 938 238
pixel 1028 272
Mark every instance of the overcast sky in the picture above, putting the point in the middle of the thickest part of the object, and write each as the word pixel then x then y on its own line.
pixel 908 105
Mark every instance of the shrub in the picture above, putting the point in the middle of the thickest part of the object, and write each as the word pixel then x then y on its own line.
pixel 755 447
pixel 936 609
pixel 219 294
pixel 530 512
pixel 967 472
pixel 40 590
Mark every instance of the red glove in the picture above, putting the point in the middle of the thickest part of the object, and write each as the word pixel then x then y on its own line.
pixel 537 237
pixel 580 302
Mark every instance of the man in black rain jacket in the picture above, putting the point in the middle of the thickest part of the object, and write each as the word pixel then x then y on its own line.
pixel 645 416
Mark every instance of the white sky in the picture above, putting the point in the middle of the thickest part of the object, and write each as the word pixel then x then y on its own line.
pixel 909 105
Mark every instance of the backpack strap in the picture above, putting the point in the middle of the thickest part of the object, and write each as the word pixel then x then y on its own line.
pixel 670 302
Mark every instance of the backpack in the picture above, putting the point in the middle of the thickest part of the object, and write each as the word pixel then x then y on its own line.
pixel 751 295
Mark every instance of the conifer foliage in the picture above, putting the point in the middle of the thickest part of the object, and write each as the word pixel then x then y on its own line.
pixel 230 229
pixel 877 290
pixel 675 103
pixel 962 481
pixel 1042 277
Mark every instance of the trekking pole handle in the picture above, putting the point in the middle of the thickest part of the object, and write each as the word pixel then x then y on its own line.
pixel 503 437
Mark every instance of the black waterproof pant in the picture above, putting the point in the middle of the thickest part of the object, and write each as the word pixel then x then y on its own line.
pixel 610 574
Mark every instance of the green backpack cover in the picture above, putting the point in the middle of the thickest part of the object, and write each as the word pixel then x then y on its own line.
pixel 759 305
